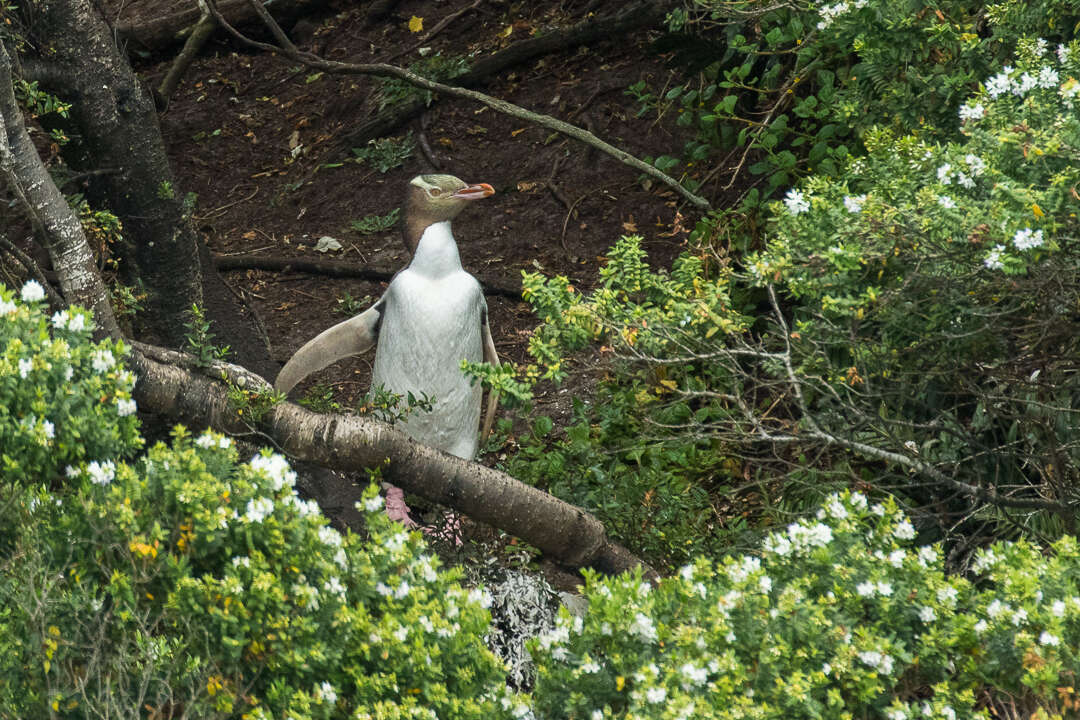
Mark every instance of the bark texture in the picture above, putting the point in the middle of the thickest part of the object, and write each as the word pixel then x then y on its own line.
pixel 343 442
pixel 176 26
pixel 117 126
pixel 57 226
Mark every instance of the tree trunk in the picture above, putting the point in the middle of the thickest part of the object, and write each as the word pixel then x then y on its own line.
pixel 117 127
pixel 56 224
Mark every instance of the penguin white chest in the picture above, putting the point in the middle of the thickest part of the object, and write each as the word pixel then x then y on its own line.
pixel 432 320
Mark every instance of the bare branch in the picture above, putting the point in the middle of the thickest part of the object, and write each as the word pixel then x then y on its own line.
pixel 386 70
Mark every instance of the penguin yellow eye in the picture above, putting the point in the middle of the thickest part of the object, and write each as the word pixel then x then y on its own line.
pixel 435 192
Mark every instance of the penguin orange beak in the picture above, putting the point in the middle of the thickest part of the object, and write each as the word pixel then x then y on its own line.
pixel 479 191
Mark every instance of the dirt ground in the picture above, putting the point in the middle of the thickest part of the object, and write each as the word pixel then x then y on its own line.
pixel 263 143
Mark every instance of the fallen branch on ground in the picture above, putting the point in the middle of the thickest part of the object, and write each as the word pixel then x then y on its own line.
pixel 286 46
pixel 169 385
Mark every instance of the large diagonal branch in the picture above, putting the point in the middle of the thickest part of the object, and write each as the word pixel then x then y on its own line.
pixel 169 385
pixel 286 47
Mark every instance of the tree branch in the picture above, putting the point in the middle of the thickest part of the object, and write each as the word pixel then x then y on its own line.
pixel 384 70
pixel 343 442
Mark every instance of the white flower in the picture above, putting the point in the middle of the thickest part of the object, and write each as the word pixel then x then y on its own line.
pixel 101 473
pixel 241 561
pixel 927 614
pixel 996 608
pixel 277 467
pixel 927 555
pixel 125 407
pixel 1027 238
pixel 878 509
pixel 383 589
pixel 374 504
pixel 946 202
pixel 993 261
pixel 796 202
pixel 102 360
pixel 326 693
pixel 884 589
pixel 330 536
pixel 1048 77
pixel 60 319
pixel 975 163
pixel 854 203
pixel 479 596
pixel 904 530
pixel 897 557
pixel 896 714
pixel 765 583
pixel 206 440
pixel 947 595
pixel 777 544
pixel 1026 83
pixel 865 589
pixel 590 667
pixel 944 174
pixel 964 180
pixel 1062 53
pixel 858 501
pixel 1048 639
pixel 77 322
pixel 258 509
pixel 1040 47
pixel 334 586
pixel 687 573
pixel 1020 617
pixel 401 633
pixel 49 429
pixel 597 715
pixel 643 627
pixel 1000 83
pixel 32 291
pixel 656 695
pixel 694 675
pixel 981 626
pixel 972 112
pixel 25 366
pixel 1058 609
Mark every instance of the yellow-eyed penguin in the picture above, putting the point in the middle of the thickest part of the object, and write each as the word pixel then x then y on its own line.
pixel 431 317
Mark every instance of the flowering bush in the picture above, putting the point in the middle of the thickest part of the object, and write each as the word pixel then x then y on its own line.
pixel 840 616
pixel 927 261
pixel 63 397
pixel 197 580
pixel 188 584
pixel 794 87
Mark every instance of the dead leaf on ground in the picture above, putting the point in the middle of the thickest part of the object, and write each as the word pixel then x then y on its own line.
pixel 630 226
pixel 416 24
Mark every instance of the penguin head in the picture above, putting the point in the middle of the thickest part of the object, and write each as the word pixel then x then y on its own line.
pixel 437 198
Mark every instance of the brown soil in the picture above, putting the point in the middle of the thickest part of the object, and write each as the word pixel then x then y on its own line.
pixel 261 141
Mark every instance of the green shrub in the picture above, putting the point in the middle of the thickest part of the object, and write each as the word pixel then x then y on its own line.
pixel 63 398
pixel 793 87
pixel 186 583
pixel 842 616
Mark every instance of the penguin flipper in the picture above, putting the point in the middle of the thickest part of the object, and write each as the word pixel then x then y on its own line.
pixel 352 337
pixel 491 357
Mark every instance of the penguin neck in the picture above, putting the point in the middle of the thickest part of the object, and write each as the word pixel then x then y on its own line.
pixel 436 253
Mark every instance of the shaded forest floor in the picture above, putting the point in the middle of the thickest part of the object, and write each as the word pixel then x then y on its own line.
pixel 264 143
